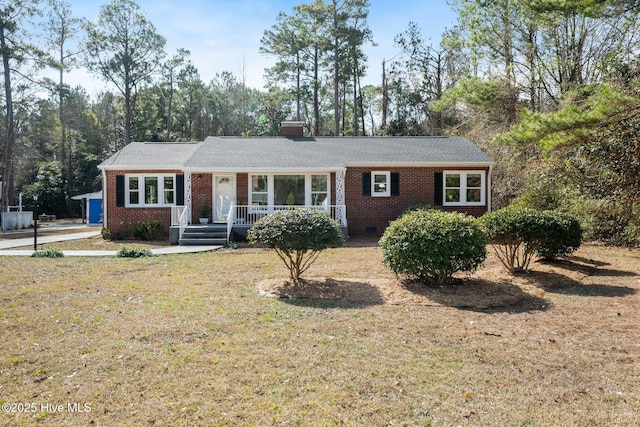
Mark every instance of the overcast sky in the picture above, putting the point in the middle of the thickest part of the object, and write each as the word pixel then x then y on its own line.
pixel 222 35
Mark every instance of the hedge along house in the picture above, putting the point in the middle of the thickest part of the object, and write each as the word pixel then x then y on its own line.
pixel 362 182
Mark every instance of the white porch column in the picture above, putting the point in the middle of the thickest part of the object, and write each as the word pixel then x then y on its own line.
pixel 187 194
pixel 340 201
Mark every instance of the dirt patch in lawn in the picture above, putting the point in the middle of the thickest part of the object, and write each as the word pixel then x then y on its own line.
pixel 490 288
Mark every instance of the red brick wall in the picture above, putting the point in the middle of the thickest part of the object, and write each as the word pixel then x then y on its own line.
pixel 119 219
pixel 363 212
pixel 366 213
pixel 242 189
pixel 201 191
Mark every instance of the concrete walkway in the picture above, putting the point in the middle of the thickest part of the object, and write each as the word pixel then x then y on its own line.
pixel 6 245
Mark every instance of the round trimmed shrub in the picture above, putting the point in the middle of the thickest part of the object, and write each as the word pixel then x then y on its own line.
pixel 519 233
pixel 106 233
pixel 432 245
pixel 418 207
pixel 298 236
pixel 515 232
pixel 562 236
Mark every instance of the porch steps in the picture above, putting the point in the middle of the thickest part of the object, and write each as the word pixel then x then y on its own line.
pixel 209 234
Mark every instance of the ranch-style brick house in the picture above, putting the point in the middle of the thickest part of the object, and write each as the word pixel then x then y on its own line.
pixel 362 182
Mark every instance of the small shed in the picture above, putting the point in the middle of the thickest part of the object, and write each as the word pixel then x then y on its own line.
pixel 91 207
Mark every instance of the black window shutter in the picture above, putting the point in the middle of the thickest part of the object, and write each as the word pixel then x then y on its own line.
pixel 366 183
pixel 180 190
pixel 120 191
pixel 437 189
pixel 395 183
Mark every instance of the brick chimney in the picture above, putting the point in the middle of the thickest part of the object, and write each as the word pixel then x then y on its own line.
pixel 292 129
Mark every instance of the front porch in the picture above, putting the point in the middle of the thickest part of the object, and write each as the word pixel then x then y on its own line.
pixel 240 218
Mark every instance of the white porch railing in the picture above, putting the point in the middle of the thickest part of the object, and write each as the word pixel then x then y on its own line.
pixel 179 218
pixel 231 219
pixel 248 215
pixel 176 212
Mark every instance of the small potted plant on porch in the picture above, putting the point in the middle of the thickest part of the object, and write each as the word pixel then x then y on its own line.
pixel 204 213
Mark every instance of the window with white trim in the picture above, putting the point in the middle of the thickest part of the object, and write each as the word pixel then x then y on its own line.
pixel 169 190
pixel 133 196
pixel 466 188
pixel 288 190
pixel 259 191
pixel 320 190
pixel 151 187
pixel 381 184
pixel 146 190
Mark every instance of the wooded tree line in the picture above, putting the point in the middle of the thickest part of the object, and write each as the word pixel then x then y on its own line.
pixel 54 134
pixel 557 90
pixel 547 87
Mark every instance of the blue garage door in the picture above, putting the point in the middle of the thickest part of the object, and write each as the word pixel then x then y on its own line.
pixel 95 211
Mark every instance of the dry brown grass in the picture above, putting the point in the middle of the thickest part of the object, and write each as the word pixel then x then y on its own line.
pixel 99 244
pixel 191 340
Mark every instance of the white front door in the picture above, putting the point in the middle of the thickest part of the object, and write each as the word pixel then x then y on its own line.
pixel 224 193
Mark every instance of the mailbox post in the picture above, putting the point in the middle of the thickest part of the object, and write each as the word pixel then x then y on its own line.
pixel 35 223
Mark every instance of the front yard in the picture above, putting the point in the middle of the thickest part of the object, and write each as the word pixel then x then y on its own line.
pixel 195 339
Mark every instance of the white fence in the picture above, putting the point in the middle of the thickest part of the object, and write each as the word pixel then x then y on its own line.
pixel 17 220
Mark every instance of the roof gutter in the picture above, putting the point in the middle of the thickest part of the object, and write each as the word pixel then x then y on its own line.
pixel 139 167
pixel 296 169
pixel 447 165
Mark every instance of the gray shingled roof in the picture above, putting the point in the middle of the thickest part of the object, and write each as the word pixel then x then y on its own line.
pixel 152 154
pixel 275 153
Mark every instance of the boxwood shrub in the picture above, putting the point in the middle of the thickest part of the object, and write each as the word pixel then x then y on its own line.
pixel 515 232
pixel 432 245
pixel 418 207
pixel 148 230
pixel 562 236
pixel 520 233
pixel 298 236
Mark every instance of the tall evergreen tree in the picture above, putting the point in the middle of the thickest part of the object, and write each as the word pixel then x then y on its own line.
pixel 60 29
pixel 322 36
pixel 169 72
pixel 348 31
pixel 124 48
pixel 14 46
pixel 194 117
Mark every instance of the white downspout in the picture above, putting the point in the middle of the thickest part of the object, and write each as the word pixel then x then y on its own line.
pixel 104 199
pixel 489 188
